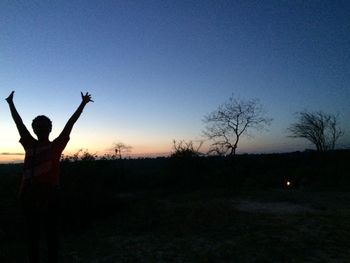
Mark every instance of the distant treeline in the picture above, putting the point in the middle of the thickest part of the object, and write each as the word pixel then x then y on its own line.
pixel 304 169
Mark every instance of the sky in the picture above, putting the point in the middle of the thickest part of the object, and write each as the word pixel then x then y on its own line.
pixel 155 68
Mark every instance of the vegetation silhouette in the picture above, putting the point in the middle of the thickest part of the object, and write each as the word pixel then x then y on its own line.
pixel 120 149
pixel 320 128
pixel 230 121
pixel 183 149
pixel 39 190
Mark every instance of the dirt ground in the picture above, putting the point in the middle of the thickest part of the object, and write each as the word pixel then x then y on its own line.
pixel 272 207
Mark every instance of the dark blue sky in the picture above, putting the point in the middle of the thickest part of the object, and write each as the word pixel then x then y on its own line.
pixel 156 67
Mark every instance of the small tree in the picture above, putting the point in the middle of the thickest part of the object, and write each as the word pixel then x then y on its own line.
pixel 320 128
pixel 121 148
pixel 185 149
pixel 232 119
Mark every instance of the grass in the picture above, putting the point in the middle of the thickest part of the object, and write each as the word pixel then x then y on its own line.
pixel 205 226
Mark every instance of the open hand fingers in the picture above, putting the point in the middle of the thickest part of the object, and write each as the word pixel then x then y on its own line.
pixel 86 97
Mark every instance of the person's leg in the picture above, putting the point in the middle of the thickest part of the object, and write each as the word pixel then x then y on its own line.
pixel 52 236
pixel 33 238
pixel 32 229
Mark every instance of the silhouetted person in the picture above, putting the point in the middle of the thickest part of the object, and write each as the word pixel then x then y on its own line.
pixel 40 179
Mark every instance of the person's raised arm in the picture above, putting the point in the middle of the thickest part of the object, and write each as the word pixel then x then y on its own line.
pixel 85 99
pixel 22 129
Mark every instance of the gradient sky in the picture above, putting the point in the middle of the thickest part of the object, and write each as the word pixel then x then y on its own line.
pixel 155 68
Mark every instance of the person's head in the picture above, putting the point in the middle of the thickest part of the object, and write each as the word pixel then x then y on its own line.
pixel 42 127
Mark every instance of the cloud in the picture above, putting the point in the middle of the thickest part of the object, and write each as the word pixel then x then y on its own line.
pixel 7 153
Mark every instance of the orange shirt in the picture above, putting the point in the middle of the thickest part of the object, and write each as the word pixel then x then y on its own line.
pixel 42 159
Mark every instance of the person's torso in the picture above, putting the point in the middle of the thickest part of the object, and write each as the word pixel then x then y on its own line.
pixel 41 164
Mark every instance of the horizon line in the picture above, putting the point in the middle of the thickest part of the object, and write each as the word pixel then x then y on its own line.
pixel 167 155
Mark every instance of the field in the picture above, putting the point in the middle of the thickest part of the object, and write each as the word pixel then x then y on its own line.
pixel 197 210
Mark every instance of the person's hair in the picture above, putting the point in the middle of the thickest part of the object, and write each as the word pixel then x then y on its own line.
pixel 41 122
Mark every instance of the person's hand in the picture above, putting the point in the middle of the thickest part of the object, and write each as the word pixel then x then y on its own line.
pixel 86 98
pixel 9 99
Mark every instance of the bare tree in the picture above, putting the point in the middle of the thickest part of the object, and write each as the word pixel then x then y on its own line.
pixel 121 148
pixel 320 128
pixel 232 119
